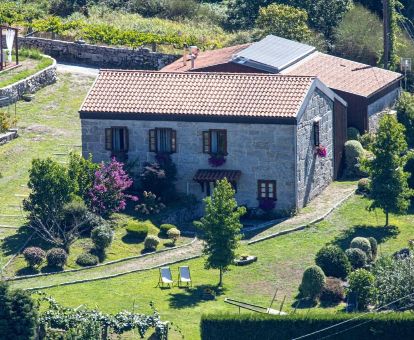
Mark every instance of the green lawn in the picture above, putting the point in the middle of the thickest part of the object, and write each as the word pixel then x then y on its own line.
pixel 280 266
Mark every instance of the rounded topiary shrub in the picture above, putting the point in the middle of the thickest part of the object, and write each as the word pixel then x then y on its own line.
pixel 363 186
pixel 87 259
pixel 353 153
pixel 173 234
pixel 34 256
pixel 165 227
pixel 362 288
pixel 151 242
pixel 356 257
pixel 333 291
pixel 102 237
pixel 313 280
pixel 363 244
pixel 333 261
pixel 56 257
pixel 137 229
pixel 353 133
pixel 374 247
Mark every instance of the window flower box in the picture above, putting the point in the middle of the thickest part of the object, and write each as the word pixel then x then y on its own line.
pixel 321 151
pixel 216 160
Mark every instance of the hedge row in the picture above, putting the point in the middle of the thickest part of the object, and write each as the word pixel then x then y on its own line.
pixel 382 326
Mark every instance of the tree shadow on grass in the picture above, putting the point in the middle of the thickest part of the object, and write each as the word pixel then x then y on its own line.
pixel 27 271
pixel 51 269
pixel 380 233
pixel 192 296
pixel 12 244
pixel 131 239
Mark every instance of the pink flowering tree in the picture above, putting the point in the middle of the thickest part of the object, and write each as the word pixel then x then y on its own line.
pixel 107 194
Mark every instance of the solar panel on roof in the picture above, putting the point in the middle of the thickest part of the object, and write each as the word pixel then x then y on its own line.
pixel 273 54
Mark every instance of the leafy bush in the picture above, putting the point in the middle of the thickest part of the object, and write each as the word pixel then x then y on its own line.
pixel 394 279
pixel 333 261
pixel 56 257
pixel 374 247
pixel 102 237
pixel 151 242
pixel 165 227
pixel 34 256
pixel 313 280
pixel 363 186
pixel 173 234
pixel 356 257
pixel 409 167
pixel 363 244
pixel 405 115
pixel 353 133
pixel 367 140
pixel 150 204
pixel 87 259
pixel 333 291
pixel 137 229
pixel 354 152
pixel 362 287
pixel 6 121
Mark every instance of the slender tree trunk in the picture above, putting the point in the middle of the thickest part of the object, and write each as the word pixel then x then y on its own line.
pixel 387 218
pixel 221 278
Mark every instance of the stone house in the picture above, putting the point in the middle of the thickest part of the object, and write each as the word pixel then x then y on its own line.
pixel 271 136
pixel 368 90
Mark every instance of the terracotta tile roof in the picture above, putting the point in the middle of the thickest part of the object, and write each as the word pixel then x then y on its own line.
pixel 344 75
pixel 211 175
pixel 193 93
pixel 206 58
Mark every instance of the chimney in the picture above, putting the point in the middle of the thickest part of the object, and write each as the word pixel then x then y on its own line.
pixel 193 53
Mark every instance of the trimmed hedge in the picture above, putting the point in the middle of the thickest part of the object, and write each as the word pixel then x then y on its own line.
pixel 386 326
pixel 137 229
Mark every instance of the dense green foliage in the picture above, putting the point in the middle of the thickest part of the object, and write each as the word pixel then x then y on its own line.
pixel 151 242
pixel 374 247
pixel 56 257
pixel 356 257
pixel 364 244
pixel 405 115
pixel 353 133
pixel 363 186
pixel 137 229
pixel 254 326
pixel 34 256
pixel 102 237
pixel 220 227
pixel 362 288
pixel 313 281
pixel 18 314
pixel 173 234
pixel 87 259
pixel 389 186
pixel 354 153
pixel 333 261
pixel 165 227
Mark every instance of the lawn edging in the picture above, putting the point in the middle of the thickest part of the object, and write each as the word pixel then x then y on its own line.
pixel 23 277
pixel 30 84
pixel 303 226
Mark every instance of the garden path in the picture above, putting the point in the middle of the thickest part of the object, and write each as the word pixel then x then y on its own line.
pixel 333 196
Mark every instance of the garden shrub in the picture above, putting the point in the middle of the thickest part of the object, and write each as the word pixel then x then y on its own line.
pixel 74 212
pixel 151 242
pixel 352 133
pixel 362 287
pixel 333 291
pixel 363 186
pixel 6 121
pixel 313 280
pixel 333 261
pixel 354 152
pixel 409 167
pixel 34 256
pixel 374 247
pixel 356 257
pixel 56 257
pixel 165 227
pixel 149 204
pixel 394 279
pixel 87 259
pixel 102 237
pixel 173 234
pixel 367 140
pixel 138 229
pixel 363 244
pixel 405 115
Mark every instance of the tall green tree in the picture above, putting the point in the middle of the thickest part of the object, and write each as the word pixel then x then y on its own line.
pixel 405 115
pixel 389 181
pixel 221 227
pixel 284 21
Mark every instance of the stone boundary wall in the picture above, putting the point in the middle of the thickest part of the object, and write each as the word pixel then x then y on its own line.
pixel 31 84
pixel 99 56
pixel 8 136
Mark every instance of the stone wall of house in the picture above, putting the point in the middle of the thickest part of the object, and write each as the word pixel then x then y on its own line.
pixel 260 151
pixel 313 172
pixel 378 108
pixel 31 84
pixel 100 56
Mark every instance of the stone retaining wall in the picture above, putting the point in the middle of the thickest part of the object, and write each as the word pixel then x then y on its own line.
pixel 99 56
pixel 8 136
pixel 31 84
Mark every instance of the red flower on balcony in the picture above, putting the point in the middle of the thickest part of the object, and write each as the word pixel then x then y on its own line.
pixel 216 160
pixel 321 151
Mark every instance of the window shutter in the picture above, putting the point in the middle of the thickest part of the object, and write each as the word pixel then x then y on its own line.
pixel 316 133
pixel 108 139
pixel 206 141
pixel 173 141
pixel 126 139
pixel 224 136
pixel 152 140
